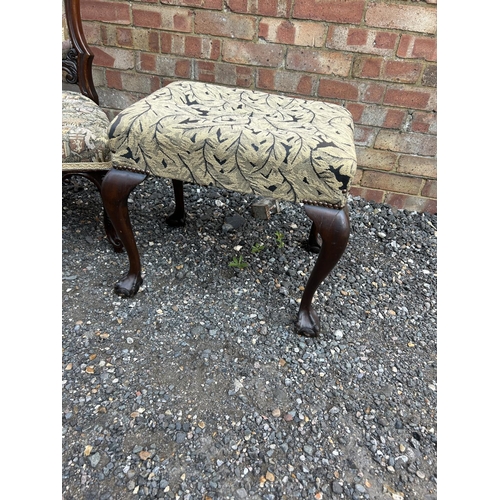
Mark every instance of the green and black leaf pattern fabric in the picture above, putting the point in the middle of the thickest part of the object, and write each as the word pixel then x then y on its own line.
pixel 241 140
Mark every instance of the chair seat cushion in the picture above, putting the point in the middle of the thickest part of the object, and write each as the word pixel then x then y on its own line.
pixel 84 134
pixel 242 140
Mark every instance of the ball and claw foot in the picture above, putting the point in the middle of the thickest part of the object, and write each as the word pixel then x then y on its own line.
pixel 129 285
pixel 308 323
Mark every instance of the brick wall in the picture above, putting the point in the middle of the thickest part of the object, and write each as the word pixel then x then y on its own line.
pixel 376 58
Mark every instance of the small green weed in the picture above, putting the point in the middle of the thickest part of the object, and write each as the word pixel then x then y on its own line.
pixel 238 262
pixel 258 247
pixel 279 239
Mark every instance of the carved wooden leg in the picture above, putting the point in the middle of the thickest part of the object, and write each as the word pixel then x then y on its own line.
pixel 178 218
pixel 116 187
pixel 333 227
pixel 312 244
pixel 96 177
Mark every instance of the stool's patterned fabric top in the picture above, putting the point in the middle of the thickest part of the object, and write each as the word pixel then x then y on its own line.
pixel 84 134
pixel 241 140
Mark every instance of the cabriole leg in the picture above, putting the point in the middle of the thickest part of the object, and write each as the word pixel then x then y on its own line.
pixel 178 218
pixel 96 177
pixel 115 190
pixel 333 227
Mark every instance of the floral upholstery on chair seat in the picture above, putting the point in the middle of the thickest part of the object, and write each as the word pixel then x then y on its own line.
pixel 84 134
pixel 242 140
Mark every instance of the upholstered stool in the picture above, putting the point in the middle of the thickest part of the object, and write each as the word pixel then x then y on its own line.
pixel 247 141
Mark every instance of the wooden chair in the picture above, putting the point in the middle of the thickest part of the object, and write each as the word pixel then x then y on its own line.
pixel 85 149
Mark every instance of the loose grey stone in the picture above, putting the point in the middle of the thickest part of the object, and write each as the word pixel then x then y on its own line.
pixel 348 400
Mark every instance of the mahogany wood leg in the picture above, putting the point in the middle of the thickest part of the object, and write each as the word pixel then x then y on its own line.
pixel 333 227
pixel 178 218
pixel 312 244
pixel 116 187
pixel 96 177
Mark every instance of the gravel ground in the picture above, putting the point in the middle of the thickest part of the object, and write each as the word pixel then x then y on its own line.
pixel 198 387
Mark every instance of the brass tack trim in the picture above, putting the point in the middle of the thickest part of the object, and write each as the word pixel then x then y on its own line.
pixel 336 206
pixel 130 169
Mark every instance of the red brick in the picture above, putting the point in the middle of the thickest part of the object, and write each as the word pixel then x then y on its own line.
pixel 204 71
pixel 265 79
pixel 285 33
pixel 166 42
pixel 238 6
pixel 424 122
pixel 418 166
pixel 357 36
pixel 305 85
pixel 182 22
pixel 364 136
pixel 361 40
pixel 407 98
pixel 370 158
pixel 357 177
pixel 405 46
pixel 368 67
pixel 163 18
pixel 373 115
pixel 394 118
pixel 336 11
pixel 425 48
pixel 391 182
pixel 373 93
pixel 111 12
pixel 154 41
pixel 410 143
pixel 411 203
pixel 402 71
pixel 374 195
pixel 244 76
pixel 114 58
pixel 261 54
pixel 421 19
pixel 356 110
pixel 283 81
pixel 273 8
pixel 430 189
pixel 141 83
pixel 385 40
pixel 225 24
pixel 183 68
pixel 411 46
pixel 192 47
pixel 294 32
pixel 114 79
pixel 94 33
pixel 337 89
pixel 202 4
pixel 230 74
pixel 134 38
pixel 147 62
pixel 147 18
pixel 206 47
pixel 316 61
